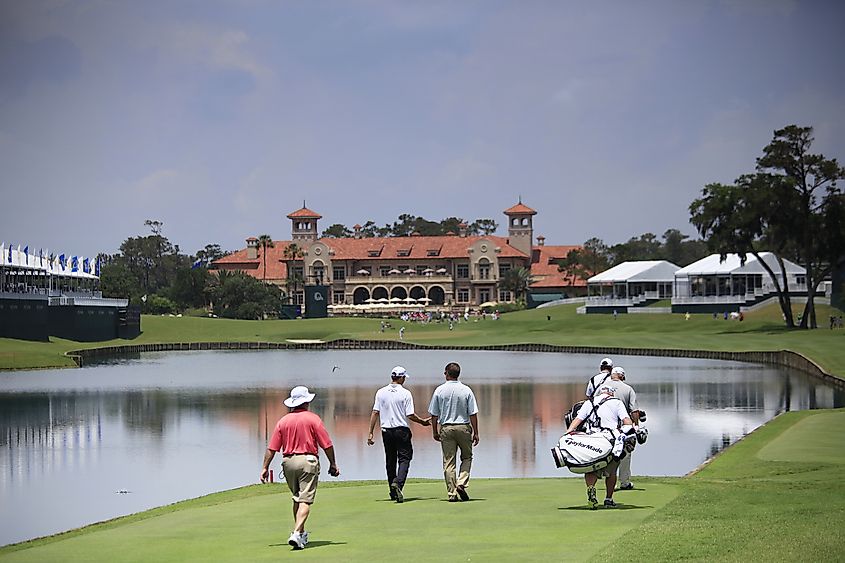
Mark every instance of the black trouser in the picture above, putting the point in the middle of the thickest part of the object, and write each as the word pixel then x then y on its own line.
pixel 398 453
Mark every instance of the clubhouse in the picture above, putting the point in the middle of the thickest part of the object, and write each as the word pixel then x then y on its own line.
pixel 455 270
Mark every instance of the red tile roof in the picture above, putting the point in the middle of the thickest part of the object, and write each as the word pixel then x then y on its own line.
pixel 417 247
pixel 305 213
pixel 520 208
pixel 276 267
pixel 544 269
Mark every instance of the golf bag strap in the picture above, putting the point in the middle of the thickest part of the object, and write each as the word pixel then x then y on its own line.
pixel 597 385
pixel 596 412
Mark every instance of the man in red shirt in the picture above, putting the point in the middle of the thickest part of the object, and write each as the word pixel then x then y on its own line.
pixel 298 435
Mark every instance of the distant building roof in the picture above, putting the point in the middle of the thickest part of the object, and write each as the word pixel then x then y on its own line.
pixel 305 213
pixel 413 247
pixel 640 270
pixel 732 264
pixel 520 208
pixel 544 268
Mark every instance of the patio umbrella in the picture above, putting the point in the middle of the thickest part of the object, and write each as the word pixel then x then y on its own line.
pixel 363 272
pixel 369 300
pixel 394 271
pixel 428 271
pixel 441 270
pixel 424 300
pixel 410 300
pixel 410 271
pixel 382 300
pixel 396 299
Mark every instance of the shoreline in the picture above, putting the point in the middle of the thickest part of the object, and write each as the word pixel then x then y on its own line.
pixel 780 358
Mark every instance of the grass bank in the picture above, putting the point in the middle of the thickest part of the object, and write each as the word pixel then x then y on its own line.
pixel 776 495
pixel 760 331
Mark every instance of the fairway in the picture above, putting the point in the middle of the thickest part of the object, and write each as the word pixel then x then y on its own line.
pixel 506 519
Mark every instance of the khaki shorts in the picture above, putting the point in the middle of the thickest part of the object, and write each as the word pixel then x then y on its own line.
pixel 302 472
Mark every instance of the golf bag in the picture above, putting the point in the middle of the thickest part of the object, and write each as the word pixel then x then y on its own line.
pixel 585 453
pixel 588 452
pixel 571 414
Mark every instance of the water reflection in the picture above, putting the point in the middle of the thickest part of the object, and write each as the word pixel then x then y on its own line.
pixel 169 427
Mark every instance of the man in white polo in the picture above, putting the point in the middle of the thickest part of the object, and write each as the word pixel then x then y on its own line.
pixel 394 407
pixel 454 423
pixel 603 375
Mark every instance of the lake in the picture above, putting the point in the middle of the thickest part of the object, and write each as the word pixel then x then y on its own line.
pixel 83 445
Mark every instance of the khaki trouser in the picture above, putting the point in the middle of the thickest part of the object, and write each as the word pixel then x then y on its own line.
pixel 625 471
pixel 452 437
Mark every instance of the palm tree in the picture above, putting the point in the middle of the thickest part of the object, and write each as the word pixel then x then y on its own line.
pixel 291 253
pixel 265 242
pixel 517 281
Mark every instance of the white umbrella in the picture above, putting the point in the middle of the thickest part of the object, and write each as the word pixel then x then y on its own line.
pixel 396 299
pixel 363 272
pixel 369 300
pixel 428 271
pixel 441 270
pixel 488 304
pixel 410 300
pixel 410 271
pixel 382 300
pixel 394 271
pixel 424 300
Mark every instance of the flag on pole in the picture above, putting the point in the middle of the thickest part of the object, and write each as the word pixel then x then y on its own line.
pixel 97 267
pixel 74 264
pixel 196 264
pixel 10 255
pixel 26 255
pixel 62 261
pixel 86 266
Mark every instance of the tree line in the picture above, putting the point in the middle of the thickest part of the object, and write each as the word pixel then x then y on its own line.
pixel 595 256
pixel 153 273
pixel 407 224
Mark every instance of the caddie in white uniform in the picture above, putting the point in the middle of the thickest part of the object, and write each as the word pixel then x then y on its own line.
pixel 609 412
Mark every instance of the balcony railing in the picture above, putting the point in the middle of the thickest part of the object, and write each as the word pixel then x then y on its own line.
pixel 399 278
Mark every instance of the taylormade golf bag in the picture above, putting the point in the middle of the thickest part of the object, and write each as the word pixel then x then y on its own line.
pixel 585 453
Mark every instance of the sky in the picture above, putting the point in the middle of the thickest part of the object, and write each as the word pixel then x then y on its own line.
pixel 220 117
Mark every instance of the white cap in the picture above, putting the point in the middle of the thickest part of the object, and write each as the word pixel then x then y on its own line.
pixel 298 396
pixel 619 369
pixel 606 363
pixel 398 371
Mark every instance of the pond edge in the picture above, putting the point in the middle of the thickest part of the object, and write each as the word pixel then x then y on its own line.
pixel 778 358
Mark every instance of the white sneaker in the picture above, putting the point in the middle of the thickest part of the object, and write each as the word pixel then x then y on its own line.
pixel 304 537
pixel 295 540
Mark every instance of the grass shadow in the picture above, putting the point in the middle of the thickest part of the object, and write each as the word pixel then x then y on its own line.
pixel 311 544
pixel 618 507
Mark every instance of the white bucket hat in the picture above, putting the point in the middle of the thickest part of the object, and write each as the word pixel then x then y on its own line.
pixel 298 396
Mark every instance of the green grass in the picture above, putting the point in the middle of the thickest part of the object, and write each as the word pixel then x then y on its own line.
pixel 761 331
pixel 777 495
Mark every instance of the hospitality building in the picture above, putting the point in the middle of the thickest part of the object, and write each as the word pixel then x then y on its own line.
pixel 454 270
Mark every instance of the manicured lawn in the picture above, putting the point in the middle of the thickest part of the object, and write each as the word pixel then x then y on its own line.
pixel 776 495
pixel 760 331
